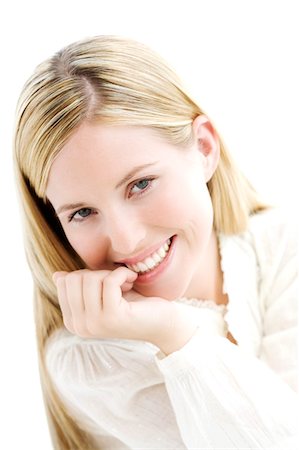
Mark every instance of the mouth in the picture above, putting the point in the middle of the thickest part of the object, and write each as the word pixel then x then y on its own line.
pixel 152 266
pixel 152 261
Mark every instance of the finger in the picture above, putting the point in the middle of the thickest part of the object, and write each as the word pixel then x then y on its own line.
pixel 57 275
pixel 74 284
pixel 112 287
pixel 128 285
pixel 63 303
pixel 92 294
pixel 92 289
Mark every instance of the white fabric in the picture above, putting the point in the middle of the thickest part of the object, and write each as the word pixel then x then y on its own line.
pixel 211 394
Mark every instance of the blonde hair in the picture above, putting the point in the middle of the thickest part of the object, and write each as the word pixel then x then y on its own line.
pixel 111 80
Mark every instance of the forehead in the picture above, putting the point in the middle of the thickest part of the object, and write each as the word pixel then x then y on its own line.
pixel 104 153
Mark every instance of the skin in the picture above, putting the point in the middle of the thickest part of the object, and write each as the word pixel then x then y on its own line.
pixel 123 217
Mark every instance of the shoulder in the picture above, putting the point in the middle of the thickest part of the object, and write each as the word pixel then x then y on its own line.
pixel 270 234
pixel 265 256
pixel 273 224
pixel 274 238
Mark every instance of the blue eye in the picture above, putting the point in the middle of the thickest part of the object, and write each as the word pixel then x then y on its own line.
pixel 140 186
pixel 80 215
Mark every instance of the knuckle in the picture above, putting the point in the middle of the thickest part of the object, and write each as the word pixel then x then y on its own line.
pixel 109 280
pixel 93 275
pixel 73 276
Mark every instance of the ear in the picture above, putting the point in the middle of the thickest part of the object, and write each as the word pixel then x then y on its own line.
pixel 208 144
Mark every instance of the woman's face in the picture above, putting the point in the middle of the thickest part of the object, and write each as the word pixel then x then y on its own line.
pixel 125 196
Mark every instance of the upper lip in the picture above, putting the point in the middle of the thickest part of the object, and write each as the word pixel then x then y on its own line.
pixel 142 255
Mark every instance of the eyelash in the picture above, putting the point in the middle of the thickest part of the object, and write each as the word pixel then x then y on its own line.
pixel 142 191
pixel 71 217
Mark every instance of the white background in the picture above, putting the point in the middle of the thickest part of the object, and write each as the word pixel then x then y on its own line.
pixel 241 60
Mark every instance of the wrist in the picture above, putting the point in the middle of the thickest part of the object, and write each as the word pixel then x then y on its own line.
pixel 204 319
pixel 179 330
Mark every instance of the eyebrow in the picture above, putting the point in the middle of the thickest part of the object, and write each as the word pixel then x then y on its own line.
pixel 133 172
pixel 69 206
pixel 125 179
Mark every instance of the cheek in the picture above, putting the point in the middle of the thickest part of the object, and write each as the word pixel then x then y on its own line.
pixel 189 203
pixel 90 250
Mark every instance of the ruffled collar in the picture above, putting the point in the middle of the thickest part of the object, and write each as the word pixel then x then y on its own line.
pixel 240 283
pixel 211 304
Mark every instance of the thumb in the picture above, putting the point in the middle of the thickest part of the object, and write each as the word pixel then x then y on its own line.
pixel 129 283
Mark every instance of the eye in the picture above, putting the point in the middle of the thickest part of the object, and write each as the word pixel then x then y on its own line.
pixel 80 215
pixel 141 186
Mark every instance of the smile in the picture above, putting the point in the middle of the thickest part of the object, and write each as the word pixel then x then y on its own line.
pixel 152 261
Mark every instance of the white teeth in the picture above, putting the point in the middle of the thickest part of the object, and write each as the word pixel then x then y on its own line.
pixel 156 257
pixel 161 252
pixel 152 261
pixel 141 267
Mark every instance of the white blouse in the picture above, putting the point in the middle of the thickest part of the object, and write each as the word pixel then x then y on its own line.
pixel 211 394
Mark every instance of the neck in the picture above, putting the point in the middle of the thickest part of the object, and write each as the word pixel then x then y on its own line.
pixel 207 282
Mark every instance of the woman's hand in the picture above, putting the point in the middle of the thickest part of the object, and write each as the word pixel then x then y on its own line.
pixel 102 304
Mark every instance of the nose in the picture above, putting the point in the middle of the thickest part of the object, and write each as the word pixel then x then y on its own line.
pixel 125 232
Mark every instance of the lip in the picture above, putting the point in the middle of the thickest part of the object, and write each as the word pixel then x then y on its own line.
pixel 142 256
pixel 151 276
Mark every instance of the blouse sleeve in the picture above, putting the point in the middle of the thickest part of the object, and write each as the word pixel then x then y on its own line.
pixel 222 396
pixel 114 390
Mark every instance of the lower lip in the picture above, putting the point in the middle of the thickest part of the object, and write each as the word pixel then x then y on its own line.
pixel 153 274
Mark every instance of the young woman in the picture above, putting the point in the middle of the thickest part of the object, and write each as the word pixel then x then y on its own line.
pixel 165 291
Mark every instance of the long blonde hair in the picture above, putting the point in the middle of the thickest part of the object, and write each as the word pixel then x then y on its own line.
pixel 107 79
